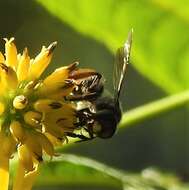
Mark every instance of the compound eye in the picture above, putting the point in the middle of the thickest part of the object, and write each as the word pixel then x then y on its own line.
pixel 107 128
pixel 97 128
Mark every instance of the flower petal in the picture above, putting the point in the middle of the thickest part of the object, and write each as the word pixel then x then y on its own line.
pixel 23 66
pixel 41 61
pixel 47 105
pixel 8 145
pixel 2 59
pixel 4 172
pixel 47 146
pixel 8 76
pixel 25 158
pixel 53 139
pixel 62 119
pixel 34 145
pixel 11 53
pixel 2 108
pixel 57 79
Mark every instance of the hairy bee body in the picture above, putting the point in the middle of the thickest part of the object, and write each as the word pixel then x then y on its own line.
pixel 101 115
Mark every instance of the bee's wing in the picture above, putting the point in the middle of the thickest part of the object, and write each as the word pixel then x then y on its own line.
pixel 120 65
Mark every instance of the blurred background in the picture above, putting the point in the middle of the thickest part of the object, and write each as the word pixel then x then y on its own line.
pixel 90 32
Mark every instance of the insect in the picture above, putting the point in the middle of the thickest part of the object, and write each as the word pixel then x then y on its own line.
pixel 101 118
pixel 88 85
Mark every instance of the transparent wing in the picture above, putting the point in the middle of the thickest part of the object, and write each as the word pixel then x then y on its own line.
pixel 120 65
pixel 118 68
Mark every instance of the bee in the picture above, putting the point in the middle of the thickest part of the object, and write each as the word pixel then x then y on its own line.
pixel 102 114
pixel 88 85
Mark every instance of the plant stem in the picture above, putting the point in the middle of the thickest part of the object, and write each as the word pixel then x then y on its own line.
pixel 19 177
pixel 22 180
pixel 29 179
pixel 154 108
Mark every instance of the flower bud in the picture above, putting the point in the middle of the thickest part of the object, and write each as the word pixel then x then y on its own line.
pixel 32 118
pixel 20 102
pixel 17 131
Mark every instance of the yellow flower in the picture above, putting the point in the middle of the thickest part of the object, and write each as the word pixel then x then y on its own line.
pixel 34 117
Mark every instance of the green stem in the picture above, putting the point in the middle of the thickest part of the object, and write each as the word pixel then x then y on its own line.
pixel 117 174
pixel 154 108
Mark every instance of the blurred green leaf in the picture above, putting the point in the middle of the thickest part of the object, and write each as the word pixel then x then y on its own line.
pixel 160 49
pixel 68 169
pixel 74 170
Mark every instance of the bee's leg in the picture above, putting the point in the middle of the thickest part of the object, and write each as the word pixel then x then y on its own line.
pixel 85 121
pixel 84 113
pixel 95 81
pixel 82 140
pixel 66 139
pixel 82 137
pixel 79 97
pixel 89 129
pixel 78 124
pixel 83 117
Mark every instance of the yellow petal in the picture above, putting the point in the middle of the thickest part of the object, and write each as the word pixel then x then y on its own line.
pixel 57 79
pixel 8 76
pixel 4 172
pixel 25 158
pixel 55 131
pixel 46 144
pixel 33 145
pixel 60 93
pixel 2 59
pixel 47 105
pixel 2 83
pixel 8 146
pixel 23 66
pixel 11 53
pixel 41 62
pixel 59 121
pixel 54 140
pixel 62 119
pixel 18 57
pixel 59 75
pixel 2 108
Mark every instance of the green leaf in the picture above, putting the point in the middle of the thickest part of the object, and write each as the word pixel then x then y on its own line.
pixel 68 169
pixel 74 170
pixel 160 48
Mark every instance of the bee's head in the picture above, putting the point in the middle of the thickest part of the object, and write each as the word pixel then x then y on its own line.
pixel 107 117
pixel 109 103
